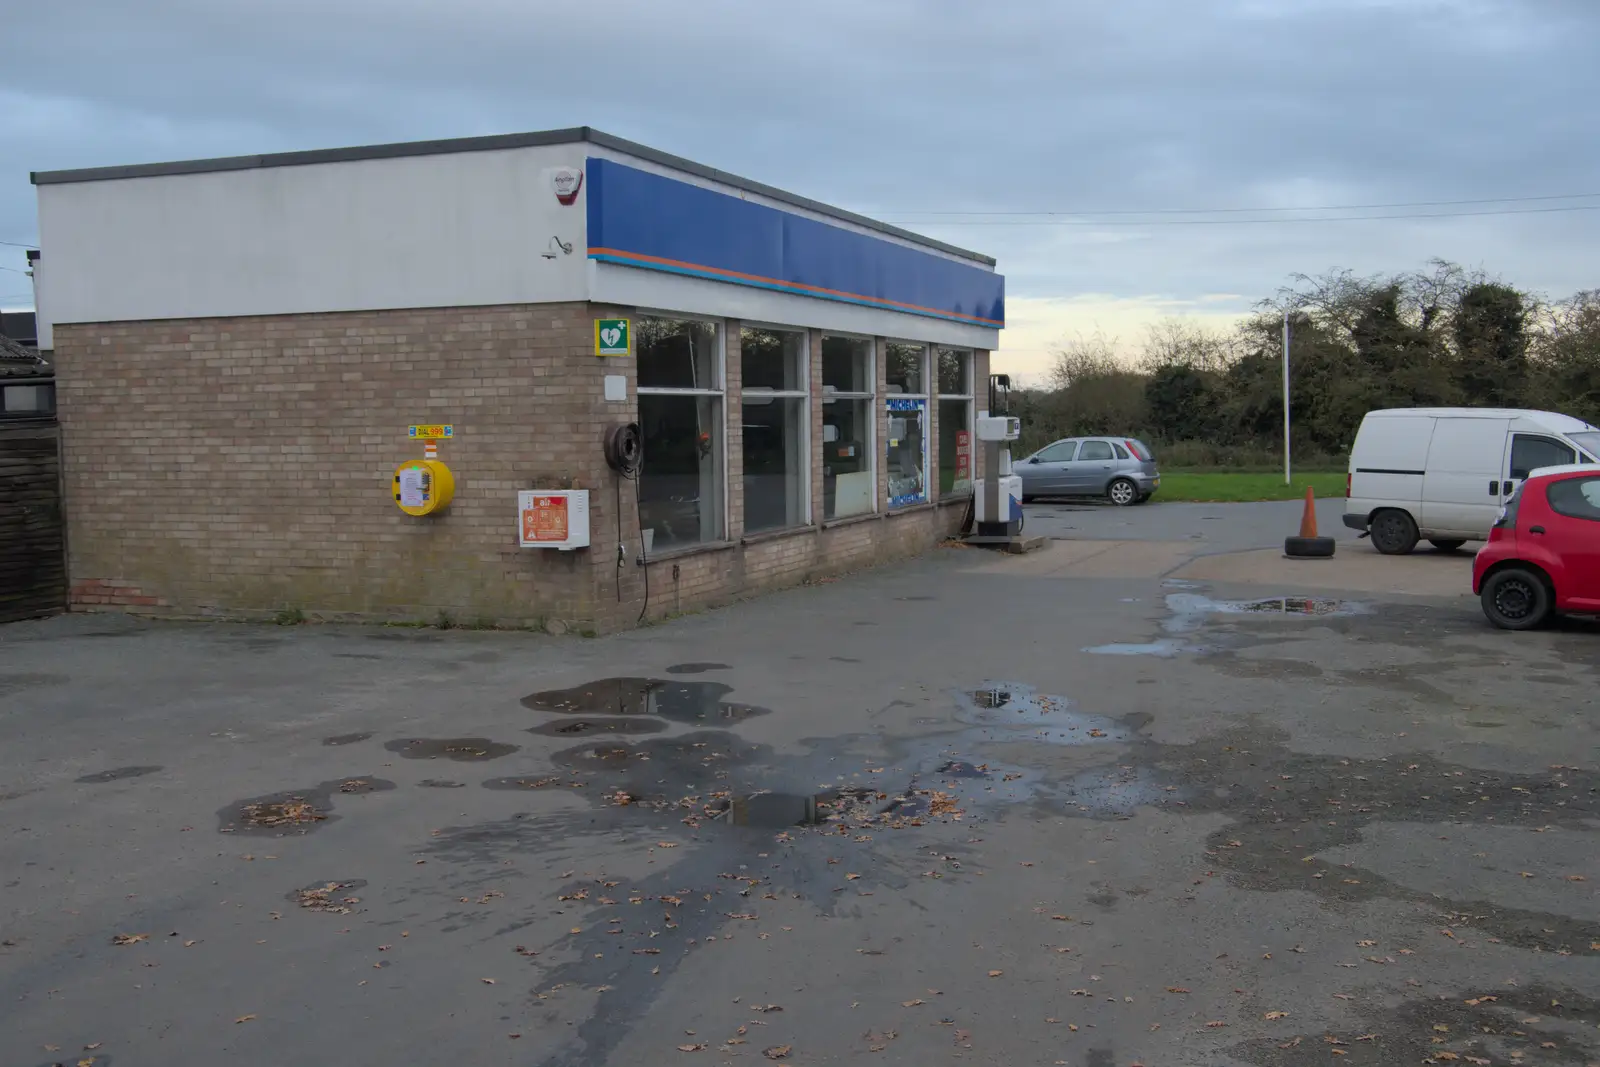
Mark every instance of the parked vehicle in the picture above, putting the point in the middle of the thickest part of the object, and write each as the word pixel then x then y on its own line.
pixel 1543 554
pixel 1121 469
pixel 1445 473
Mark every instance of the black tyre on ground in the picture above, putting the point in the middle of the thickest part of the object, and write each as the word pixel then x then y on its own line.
pixel 1516 599
pixel 1122 492
pixel 1308 547
pixel 1447 544
pixel 1144 499
pixel 1394 533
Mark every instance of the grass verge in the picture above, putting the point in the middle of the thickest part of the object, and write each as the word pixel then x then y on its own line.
pixel 1238 487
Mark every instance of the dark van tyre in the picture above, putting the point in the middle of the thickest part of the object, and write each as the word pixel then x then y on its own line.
pixel 1516 599
pixel 1448 544
pixel 1393 532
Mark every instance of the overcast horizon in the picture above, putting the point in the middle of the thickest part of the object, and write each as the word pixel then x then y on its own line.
pixel 921 114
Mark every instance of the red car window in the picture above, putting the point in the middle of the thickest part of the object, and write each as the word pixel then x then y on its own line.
pixel 1576 498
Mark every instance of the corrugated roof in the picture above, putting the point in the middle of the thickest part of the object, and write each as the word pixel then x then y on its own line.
pixel 17 361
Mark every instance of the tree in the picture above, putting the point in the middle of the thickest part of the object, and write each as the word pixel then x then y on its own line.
pixel 1491 335
pixel 1180 402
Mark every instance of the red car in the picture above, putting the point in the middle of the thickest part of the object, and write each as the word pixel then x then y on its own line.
pixel 1543 554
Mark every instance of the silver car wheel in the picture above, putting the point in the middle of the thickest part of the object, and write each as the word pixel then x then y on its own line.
pixel 1122 492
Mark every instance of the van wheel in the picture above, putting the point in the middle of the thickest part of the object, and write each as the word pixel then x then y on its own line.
pixel 1516 599
pixel 1393 533
pixel 1448 544
pixel 1122 492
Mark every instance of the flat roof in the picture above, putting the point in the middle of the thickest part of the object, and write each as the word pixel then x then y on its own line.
pixel 490 144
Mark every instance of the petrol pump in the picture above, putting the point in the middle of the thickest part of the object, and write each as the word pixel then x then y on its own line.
pixel 997 496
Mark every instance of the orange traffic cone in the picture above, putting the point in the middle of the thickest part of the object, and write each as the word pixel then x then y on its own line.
pixel 1308 545
pixel 1308 521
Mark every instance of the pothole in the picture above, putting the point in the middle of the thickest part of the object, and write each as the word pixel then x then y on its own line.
pixel 581 727
pixel 294 811
pixel 1051 719
pixel 694 703
pixel 116 774
pixel 460 749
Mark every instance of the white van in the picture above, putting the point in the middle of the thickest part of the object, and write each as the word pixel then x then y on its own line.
pixel 1445 473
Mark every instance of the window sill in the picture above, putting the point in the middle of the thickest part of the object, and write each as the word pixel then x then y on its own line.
pixel 680 551
pixel 910 509
pixel 850 520
pixel 776 535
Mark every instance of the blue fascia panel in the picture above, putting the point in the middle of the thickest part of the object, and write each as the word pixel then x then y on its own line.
pixel 645 220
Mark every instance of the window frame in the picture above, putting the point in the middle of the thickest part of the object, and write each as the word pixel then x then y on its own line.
pixel 969 360
pixel 927 401
pixel 874 357
pixel 1511 457
pixel 29 414
pixel 803 394
pixel 719 328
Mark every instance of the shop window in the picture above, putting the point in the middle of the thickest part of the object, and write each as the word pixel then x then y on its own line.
pixel 849 483
pixel 681 419
pixel 774 427
pixel 956 452
pixel 906 454
pixel 903 368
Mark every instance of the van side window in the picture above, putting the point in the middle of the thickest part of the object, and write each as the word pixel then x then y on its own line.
pixel 1529 453
pixel 1576 498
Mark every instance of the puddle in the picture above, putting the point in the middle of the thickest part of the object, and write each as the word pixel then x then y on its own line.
pixel 347 739
pixel 1295 605
pixel 697 668
pixel 116 774
pixel 295 811
pixel 460 749
pixel 963 769
pixel 1016 706
pixel 684 702
pixel 579 727
pixel 1164 649
pixel 440 783
pixel 772 810
pixel 335 897
pixel 534 781
pixel 916 598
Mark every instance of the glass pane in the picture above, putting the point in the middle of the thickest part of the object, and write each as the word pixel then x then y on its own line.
pixel 955 371
pixel 28 399
pixel 1577 498
pixel 772 359
pixel 676 354
pixel 905 453
pixel 847 365
pixel 680 480
pixel 1588 439
pixel 1094 450
pixel 1531 453
pixel 955 447
pixel 902 366
pixel 775 483
pixel 848 484
pixel 1060 452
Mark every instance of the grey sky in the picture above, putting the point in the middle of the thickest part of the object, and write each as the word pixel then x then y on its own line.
pixel 903 109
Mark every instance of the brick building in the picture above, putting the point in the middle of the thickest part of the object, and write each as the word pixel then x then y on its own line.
pixel 241 345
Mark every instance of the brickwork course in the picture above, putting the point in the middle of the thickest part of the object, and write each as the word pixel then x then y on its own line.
pixel 241 468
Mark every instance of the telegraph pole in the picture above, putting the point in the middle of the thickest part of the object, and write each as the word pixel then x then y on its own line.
pixel 1286 479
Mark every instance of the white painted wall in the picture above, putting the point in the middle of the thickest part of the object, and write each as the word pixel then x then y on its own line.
pixel 414 231
pixel 613 283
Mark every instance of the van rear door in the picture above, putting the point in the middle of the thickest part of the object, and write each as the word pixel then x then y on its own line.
pixel 1462 489
pixel 1387 463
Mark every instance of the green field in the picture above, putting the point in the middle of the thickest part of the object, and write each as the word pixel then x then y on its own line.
pixel 1232 486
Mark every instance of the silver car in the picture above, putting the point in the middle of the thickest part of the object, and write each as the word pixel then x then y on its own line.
pixel 1121 469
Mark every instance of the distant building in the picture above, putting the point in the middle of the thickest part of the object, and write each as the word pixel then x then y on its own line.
pixel 19 326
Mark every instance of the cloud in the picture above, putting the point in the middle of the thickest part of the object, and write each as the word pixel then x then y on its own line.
pixel 903 108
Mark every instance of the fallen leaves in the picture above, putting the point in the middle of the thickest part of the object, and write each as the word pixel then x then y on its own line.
pixel 777 1052
pixel 129 939
pixel 1276 1015
pixel 243 1019
pixel 912 1003
pixel 700 1047
pixel 996 974
pixel 1176 989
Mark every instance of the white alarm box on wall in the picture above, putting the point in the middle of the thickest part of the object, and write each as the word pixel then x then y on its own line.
pixel 553 518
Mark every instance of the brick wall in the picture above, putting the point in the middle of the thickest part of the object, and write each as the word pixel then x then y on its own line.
pixel 242 467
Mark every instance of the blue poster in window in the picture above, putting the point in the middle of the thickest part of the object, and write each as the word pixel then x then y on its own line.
pixel 907 455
